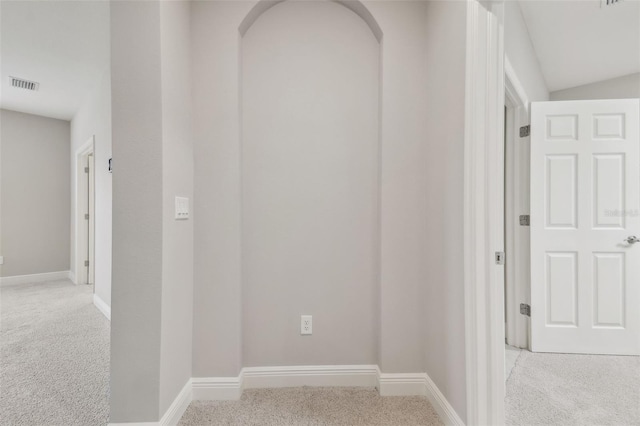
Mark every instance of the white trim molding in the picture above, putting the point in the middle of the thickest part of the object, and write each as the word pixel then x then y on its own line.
pixel 217 388
pixel 516 204
pixel 178 406
pixel 230 388
pixel 483 213
pixel 402 384
pixel 102 306
pixel 173 414
pixel 419 384
pixel 36 278
pixel 310 375
pixel 80 234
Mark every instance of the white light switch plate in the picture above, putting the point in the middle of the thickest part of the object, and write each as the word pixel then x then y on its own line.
pixel 1 260
pixel 182 208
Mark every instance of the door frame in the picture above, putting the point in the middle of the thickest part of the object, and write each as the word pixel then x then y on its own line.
pixel 484 213
pixel 81 200
pixel 517 274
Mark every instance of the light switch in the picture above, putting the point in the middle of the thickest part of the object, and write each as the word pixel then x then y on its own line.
pixel 182 208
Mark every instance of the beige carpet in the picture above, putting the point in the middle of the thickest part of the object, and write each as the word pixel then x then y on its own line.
pixel 562 389
pixel 309 406
pixel 54 356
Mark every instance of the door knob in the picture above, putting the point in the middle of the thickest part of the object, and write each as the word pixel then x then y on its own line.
pixel 632 239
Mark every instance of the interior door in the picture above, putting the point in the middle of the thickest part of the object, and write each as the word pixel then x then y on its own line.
pixel 585 213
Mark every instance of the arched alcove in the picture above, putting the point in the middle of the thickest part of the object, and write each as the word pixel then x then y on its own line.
pixel 310 165
pixel 354 5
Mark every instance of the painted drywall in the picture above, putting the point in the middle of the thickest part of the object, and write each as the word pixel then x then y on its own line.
pixel 521 55
pixel 405 207
pixel 444 299
pixel 136 291
pixel 152 252
pixel 35 180
pixel 94 119
pixel 310 173
pixel 217 331
pixel 624 87
pixel 177 180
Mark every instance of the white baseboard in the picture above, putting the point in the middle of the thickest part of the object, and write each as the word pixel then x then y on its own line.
pixel 72 277
pixel 230 388
pixel 173 414
pixel 102 306
pixel 419 384
pixel 179 406
pixel 309 375
pixel 217 388
pixel 35 278
pixel 401 384
pixel 446 412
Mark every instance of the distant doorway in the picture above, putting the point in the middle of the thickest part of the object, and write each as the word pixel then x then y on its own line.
pixel 85 214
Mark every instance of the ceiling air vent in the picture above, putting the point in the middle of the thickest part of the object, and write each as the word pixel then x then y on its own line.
pixel 24 84
pixel 604 3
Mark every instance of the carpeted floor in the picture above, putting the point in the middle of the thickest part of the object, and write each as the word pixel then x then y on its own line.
pixel 54 356
pixel 309 406
pixel 563 389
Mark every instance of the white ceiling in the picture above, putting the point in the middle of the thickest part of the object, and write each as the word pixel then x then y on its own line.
pixel 579 42
pixel 63 45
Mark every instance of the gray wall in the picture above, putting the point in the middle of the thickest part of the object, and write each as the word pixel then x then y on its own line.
pixel 137 211
pixel 151 315
pixel 35 205
pixel 420 191
pixel 404 207
pixel 521 54
pixel 177 180
pixel 310 174
pixel 444 299
pixel 624 87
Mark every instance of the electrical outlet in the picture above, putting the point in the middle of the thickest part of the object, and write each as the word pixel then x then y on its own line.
pixel 182 208
pixel 306 324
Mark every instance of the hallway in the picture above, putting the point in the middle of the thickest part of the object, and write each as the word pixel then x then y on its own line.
pixel 54 356
pixel 573 389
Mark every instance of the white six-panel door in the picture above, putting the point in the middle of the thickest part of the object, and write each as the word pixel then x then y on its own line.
pixel 585 204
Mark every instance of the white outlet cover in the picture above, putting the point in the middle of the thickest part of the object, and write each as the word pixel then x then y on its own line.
pixel 306 324
pixel 182 208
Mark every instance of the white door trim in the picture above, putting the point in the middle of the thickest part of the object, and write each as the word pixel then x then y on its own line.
pixel 81 195
pixel 516 204
pixel 483 213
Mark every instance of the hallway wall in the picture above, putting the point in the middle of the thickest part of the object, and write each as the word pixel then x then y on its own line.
pixel 310 172
pixel 420 190
pixel 35 205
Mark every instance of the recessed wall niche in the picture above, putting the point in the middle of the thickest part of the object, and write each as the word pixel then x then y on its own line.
pixel 310 167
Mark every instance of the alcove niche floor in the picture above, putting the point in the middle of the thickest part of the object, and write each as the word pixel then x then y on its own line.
pixel 315 406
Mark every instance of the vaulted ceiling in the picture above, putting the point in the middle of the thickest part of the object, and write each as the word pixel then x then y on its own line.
pixel 583 41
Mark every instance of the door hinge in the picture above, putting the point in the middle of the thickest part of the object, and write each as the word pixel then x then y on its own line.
pixel 86 170
pixel 525 309
pixel 86 216
pixel 525 220
pixel 86 263
pixel 500 258
pixel 525 131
